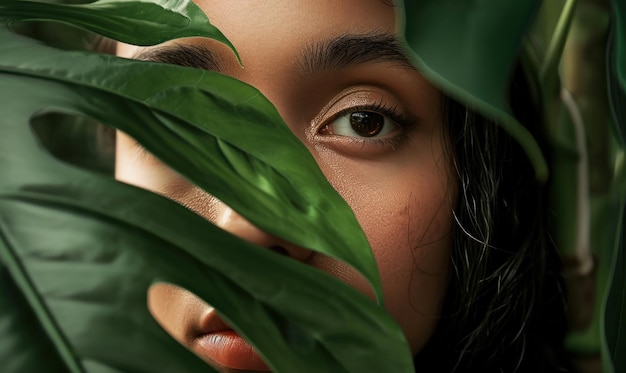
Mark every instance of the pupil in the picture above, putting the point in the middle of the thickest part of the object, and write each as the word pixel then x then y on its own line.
pixel 366 123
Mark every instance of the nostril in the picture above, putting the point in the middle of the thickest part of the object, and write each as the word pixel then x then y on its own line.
pixel 279 249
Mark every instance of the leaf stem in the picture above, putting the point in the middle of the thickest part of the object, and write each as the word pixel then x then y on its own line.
pixel 552 58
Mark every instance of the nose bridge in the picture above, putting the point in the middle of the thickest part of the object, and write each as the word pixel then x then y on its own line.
pixel 229 220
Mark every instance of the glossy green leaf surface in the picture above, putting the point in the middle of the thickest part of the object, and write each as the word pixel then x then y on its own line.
pixel 619 17
pixel 283 186
pixel 133 22
pixel 614 308
pixel 25 347
pixel 468 49
pixel 617 70
pixel 615 304
pixel 268 175
pixel 85 242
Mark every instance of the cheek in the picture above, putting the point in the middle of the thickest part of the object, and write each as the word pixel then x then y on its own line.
pixel 138 168
pixel 409 231
pixel 407 217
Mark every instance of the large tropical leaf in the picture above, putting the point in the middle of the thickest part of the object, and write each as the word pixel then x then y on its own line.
pixel 468 49
pixel 127 252
pixel 25 345
pixel 614 304
pixel 619 17
pixel 88 249
pixel 614 307
pixel 617 70
pixel 29 209
pixel 134 22
pixel 267 175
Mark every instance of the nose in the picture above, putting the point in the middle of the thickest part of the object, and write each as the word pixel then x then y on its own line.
pixel 232 222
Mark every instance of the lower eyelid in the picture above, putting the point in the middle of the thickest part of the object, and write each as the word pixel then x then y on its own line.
pixel 383 145
pixel 365 147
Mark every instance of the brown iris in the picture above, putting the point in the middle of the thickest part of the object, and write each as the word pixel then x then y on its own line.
pixel 367 123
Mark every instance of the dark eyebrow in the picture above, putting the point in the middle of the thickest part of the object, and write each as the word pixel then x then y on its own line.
pixel 348 50
pixel 183 55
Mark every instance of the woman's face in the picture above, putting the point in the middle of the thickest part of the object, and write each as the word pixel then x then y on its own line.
pixel 374 125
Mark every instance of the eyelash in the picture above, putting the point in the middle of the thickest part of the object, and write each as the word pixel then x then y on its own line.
pixel 390 111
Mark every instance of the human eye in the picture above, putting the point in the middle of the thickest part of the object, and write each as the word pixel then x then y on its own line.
pixel 368 124
pixel 364 122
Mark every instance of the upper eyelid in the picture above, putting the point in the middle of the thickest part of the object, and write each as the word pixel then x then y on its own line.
pixel 377 108
pixel 345 94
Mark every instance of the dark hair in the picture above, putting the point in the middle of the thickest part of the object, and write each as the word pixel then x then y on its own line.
pixel 504 308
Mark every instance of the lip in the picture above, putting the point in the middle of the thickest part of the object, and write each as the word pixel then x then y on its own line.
pixel 219 343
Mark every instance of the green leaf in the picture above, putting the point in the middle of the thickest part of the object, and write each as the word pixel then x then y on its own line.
pixel 87 245
pixel 53 213
pixel 86 292
pixel 468 49
pixel 617 70
pixel 25 346
pixel 268 175
pixel 619 17
pixel 134 22
pixel 549 73
pixel 614 303
pixel 569 188
pixel 613 306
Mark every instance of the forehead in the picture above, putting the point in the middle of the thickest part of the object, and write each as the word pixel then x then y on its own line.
pixel 292 21
pixel 273 32
pixel 347 12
